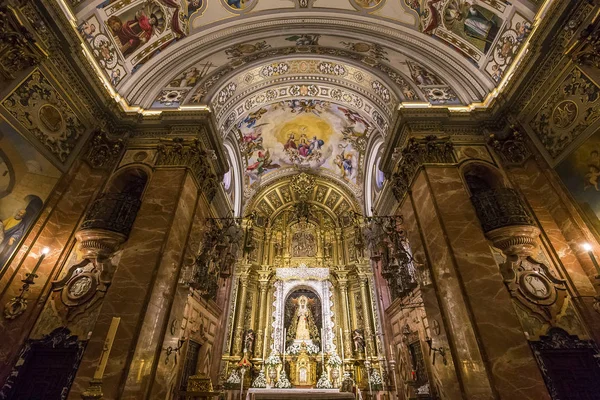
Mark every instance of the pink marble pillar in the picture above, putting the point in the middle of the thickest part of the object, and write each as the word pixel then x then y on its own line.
pixel 54 229
pixel 445 374
pixel 142 289
pixel 167 370
pixel 485 333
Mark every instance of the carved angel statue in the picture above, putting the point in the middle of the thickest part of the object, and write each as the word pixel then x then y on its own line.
pixel 249 341
pixel 359 340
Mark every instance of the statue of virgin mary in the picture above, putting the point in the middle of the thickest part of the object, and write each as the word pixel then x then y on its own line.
pixel 303 327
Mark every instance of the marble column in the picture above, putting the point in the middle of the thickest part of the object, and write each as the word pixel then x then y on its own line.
pixel 487 340
pixel 368 317
pixel 142 288
pixel 343 285
pixel 239 319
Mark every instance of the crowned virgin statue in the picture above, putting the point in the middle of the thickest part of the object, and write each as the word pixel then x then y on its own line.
pixel 303 327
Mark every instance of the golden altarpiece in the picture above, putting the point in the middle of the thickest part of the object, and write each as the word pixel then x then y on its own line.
pixel 304 294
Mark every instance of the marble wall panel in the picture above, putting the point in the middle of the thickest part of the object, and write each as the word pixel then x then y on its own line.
pixel 54 229
pixel 132 285
pixel 152 332
pixel 514 372
pixel 565 232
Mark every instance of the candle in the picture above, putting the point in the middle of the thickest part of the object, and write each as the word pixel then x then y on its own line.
pixel 392 355
pixel 44 252
pixel 108 342
pixel 342 343
pixel 265 344
pixel 323 349
pixel 284 340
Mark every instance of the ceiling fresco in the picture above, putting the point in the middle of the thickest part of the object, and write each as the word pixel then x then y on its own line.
pixel 303 134
pixel 169 53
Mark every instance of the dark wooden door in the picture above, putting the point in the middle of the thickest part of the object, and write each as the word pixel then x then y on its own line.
pixel 570 366
pixel 46 374
pixel 574 373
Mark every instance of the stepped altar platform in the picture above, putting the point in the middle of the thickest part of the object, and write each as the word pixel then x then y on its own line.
pixel 306 394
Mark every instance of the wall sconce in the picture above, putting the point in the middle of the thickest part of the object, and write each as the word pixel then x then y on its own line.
pixel 170 350
pixel 588 247
pixel 17 305
pixel 436 350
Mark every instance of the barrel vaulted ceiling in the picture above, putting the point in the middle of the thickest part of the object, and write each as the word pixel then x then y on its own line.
pixel 304 84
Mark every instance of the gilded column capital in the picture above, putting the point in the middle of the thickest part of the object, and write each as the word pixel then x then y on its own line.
pixel 192 155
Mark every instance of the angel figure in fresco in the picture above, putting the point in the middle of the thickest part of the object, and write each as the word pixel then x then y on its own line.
pixel 262 164
pixel 253 117
pixel 354 117
pixel 253 141
pixel 344 162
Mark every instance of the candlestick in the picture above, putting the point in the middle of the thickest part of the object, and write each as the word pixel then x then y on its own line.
pixel 108 342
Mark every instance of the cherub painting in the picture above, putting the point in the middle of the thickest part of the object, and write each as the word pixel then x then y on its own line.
pixel 263 163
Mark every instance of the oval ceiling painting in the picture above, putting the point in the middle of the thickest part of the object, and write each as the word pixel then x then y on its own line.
pixel 368 3
pixel 239 5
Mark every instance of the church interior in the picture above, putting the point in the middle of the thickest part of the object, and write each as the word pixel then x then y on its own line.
pixel 284 199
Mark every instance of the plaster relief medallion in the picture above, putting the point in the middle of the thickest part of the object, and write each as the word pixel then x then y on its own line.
pixel 535 285
pixel 140 156
pixel 368 4
pixel 564 114
pixel 50 118
pixel 79 289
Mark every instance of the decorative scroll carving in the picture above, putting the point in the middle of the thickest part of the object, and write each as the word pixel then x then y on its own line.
pixel 18 48
pixel 303 185
pixel 497 208
pixel 191 155
pixel 103 153
pixel 588 51
pixel 416 153
pixel 512 149
pixel 39 107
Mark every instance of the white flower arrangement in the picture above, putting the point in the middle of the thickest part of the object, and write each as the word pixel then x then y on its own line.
pixel 283 382
pixel 234 380
pixel 375 380
pixel 324 382
pixel 334 360
pixel 295 348
pixel 260 381
pixel 273 360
